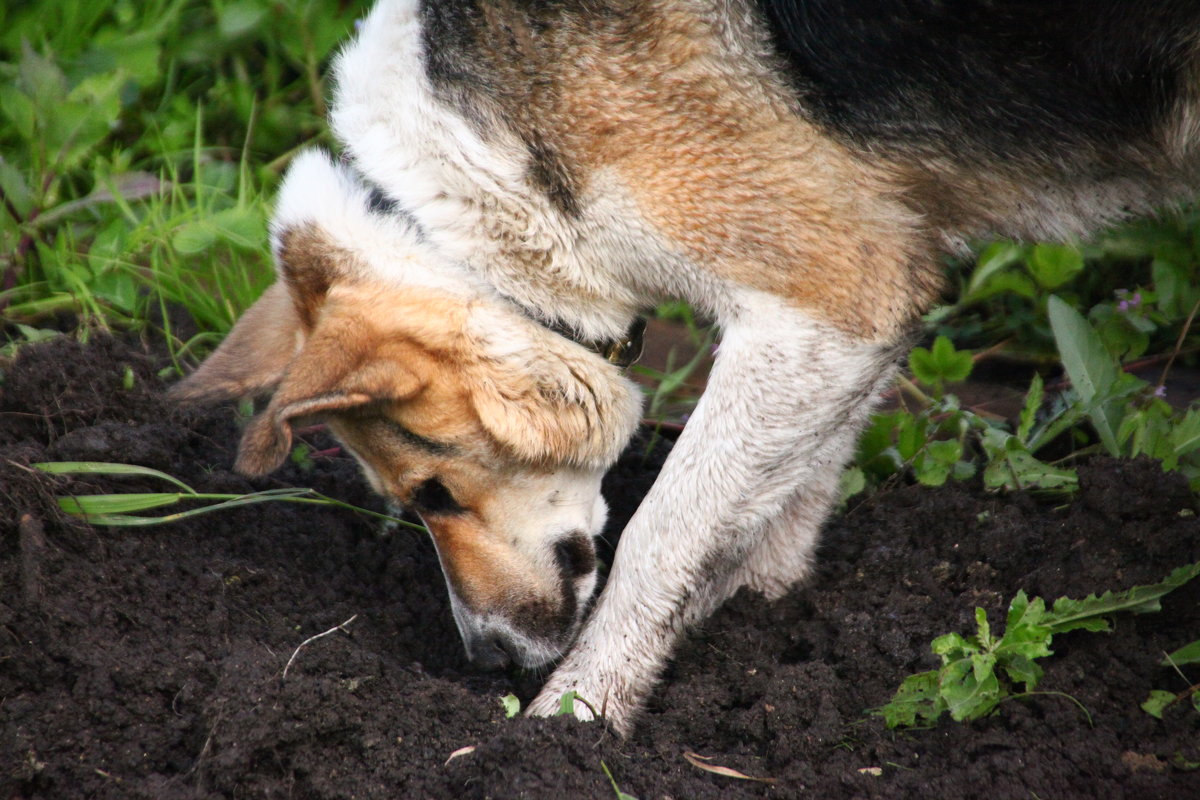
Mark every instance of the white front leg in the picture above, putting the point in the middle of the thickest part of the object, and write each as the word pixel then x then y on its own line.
pixel 784 402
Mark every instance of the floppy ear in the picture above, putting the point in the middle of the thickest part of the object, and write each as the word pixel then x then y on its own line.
pixel 253 356
pixel 559 408
pixel 324 377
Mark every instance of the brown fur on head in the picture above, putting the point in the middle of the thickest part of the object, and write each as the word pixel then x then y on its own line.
pixel 492 428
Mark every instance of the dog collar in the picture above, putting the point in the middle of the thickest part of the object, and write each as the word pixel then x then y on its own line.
pixel 622 351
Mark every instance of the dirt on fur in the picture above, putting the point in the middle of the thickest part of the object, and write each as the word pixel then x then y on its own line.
pixel 149 662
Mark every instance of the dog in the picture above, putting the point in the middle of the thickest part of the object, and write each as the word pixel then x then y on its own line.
pixel 521 178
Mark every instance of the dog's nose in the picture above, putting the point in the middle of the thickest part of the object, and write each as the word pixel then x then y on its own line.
pixel 489 651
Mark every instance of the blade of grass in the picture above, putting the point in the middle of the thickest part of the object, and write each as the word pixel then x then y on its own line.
pixel 107 468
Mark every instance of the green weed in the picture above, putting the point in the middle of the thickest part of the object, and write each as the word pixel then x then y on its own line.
pixel 980 671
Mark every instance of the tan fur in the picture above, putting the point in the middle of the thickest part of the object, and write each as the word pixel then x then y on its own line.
pixel 252 358
pixel 386 365
pixel 709 151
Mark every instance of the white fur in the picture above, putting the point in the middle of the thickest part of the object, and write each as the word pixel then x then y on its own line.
pixel 782 406
pixel 470 196
pixel 319 192
pixel 388 247
pixel 530 507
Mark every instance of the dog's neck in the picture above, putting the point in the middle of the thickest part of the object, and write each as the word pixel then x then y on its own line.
pixel 622 350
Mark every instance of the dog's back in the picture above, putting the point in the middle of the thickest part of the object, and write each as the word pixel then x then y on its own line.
pixel 1023 117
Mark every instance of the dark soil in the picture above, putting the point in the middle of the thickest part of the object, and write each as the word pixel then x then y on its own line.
pixel 148 663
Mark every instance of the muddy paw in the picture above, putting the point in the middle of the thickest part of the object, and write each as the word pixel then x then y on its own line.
pixel 586 706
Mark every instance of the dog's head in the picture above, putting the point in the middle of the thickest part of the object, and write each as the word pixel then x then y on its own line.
pixel 493 429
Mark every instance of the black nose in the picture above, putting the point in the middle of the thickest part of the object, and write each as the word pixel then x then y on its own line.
pixel 489 651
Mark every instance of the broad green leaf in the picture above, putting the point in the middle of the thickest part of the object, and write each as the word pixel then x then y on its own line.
pixel 951 646
pixel 1023 612
pixel 242 227
pixel 40 78
pixel 917 697
pixel 852 481
pixel 194 238
pixel 984 628
pixel 1157 702
pixel 18 108
pixel 1022 669
pixel 1012 467
pixel 1053 265
pixel 965 696
pixel 995 258
pixel 1089 366
pixel 15 188
pixel 237 19
pixel 1006 283
pixel 1185 434
pixel 940 364
pixel 1188 654
pixel 1033 402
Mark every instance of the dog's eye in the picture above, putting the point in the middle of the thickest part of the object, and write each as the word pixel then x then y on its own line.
pixel 576 556
pixel 432 497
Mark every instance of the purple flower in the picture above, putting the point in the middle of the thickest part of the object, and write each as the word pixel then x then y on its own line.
pixel 1160 391
pixel 1128 301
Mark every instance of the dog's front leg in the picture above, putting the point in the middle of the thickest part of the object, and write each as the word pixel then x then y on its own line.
pixel 786 396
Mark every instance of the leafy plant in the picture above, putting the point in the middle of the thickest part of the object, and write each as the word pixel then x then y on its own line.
pixel 980 671
pixel 941 364
pixel 130 184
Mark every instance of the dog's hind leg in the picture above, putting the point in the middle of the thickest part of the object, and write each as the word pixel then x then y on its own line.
pixel 782 407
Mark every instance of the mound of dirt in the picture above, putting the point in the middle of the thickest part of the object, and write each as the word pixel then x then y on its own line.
pixel 149 662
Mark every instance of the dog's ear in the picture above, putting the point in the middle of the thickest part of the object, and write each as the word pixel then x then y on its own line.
pixel 559 407
pixel 325 376
pixel 253 356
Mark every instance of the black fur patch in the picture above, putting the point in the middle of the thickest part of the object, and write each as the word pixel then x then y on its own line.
pixel 460 50
pixel 984 79
pixel 549 173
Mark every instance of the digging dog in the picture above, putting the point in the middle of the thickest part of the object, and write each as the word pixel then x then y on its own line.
pixel 521 178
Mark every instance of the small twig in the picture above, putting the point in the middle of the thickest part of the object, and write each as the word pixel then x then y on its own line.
pixel 998 347
pixel 1186 693
pixel 1179 343
pixel 32 545
pixel 312 639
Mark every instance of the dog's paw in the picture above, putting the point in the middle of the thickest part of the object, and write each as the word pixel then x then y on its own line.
pixel 587 701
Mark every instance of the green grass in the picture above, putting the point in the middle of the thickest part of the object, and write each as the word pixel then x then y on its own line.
pixel 142 143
